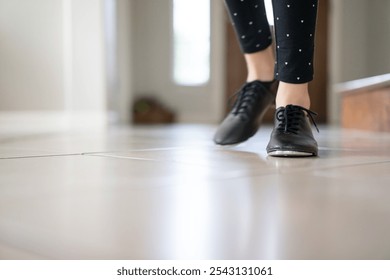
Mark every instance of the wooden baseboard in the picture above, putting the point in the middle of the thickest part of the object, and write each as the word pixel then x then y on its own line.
pixel 366 107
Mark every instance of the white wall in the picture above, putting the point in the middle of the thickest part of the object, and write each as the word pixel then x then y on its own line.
pixel 125 59
pixel 119 50
pixel 52 61
pixel 31 55
pixel 53 55
pixel 87 60
pixel 378 41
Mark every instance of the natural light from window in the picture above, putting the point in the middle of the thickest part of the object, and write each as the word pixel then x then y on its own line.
pixel 268 8
pixel 191 42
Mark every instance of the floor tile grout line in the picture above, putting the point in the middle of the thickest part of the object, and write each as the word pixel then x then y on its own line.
pixel 297 170
pixel 88 153
pixel 270 172
pixel 123 157
pixel 40 156
pixel 158 160
pixel 144 150
pixel 135 150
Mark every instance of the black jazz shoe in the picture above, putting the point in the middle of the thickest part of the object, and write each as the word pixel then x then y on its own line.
pixel 253 100
pixel 292 135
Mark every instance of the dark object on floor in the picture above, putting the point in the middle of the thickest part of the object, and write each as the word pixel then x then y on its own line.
pixel 148 110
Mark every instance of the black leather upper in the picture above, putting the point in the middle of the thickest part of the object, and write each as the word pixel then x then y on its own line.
pixel 244 119
pixel 292 131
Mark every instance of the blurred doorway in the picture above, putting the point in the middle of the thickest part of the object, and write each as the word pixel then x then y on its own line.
pixel 174 61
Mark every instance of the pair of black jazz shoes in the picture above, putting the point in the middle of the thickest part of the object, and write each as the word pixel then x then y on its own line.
pixel 291 136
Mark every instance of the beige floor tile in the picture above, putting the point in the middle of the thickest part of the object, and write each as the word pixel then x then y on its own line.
pixel 115 139
pixel 168 193
pixel 10 253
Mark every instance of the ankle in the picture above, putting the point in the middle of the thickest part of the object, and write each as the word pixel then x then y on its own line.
pixel 303 102
pixel 294 94
pixel 259 77
pixel 260 65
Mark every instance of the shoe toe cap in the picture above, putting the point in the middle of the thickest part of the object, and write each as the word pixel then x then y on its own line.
pixel 292 142
pixel 232 130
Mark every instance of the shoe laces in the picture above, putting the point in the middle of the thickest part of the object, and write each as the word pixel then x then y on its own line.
pixel 290 118
pixel 245 98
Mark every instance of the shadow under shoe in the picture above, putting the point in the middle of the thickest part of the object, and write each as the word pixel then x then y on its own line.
pixel 243 121
pixel 292 135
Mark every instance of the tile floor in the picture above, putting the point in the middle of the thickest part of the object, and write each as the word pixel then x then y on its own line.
pixel 169 193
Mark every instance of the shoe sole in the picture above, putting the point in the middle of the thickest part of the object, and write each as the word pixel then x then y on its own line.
pixel 290 154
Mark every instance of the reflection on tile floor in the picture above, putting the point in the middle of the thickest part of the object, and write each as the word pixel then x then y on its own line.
pixel 170 193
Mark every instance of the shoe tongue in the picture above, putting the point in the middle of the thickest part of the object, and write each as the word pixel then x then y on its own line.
pixel 252 84
pixel 291 107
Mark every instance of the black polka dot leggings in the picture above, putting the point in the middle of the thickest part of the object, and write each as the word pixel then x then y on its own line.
pixel 295 22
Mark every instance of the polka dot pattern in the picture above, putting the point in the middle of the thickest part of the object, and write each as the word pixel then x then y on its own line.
pixel 294 34
pixel 295 22
pixel 250 23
